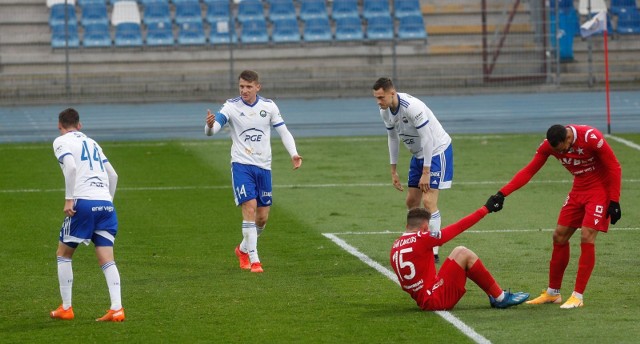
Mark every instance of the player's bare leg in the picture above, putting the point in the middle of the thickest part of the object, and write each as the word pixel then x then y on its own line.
pixel 430 201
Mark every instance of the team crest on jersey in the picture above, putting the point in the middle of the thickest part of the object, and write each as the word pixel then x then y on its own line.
pixel 405 120
pixel 263 113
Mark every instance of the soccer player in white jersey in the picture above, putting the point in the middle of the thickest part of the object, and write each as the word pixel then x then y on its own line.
pixel 90 184
pixel 431 170
pixel 250 118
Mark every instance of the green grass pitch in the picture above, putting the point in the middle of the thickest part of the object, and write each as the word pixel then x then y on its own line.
pixel 179 226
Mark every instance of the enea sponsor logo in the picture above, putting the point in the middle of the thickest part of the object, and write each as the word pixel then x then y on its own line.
pixel 252 135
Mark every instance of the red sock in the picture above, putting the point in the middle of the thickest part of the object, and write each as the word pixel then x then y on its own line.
pixel 585 266
pixel 557 265
pixel 482 277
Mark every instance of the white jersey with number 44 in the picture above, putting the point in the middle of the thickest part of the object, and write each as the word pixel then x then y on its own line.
pixel 92 181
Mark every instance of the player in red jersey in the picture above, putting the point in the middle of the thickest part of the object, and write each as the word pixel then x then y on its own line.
pixel 592 201
pixel 413 262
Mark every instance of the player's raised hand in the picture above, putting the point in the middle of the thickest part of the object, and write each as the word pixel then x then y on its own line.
pixel 211 117
pixel 296 160
pixel 614 211
pixel 395 179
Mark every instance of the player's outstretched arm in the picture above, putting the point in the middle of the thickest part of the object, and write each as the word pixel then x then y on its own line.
pixel 463 224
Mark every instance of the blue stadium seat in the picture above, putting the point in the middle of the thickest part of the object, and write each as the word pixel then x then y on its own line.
pixel 160 33
pixel 81 3
pixel 412 27
pixel 375 8
pixel 57 14
pixel 61 34
pixel 344 9
pixel 317 30
pixel 148 2
pixel 563 40
pixel 96 35
pixel 250 10
pixel 191 34
pixel 188 11
pixel 94 13
pixel 281 9
pixel 310 9
pixel 220 34
pixel 618 7
pixel 156 12
pixel 217 10
pixel 349 29
pixel 285 31
pixel 380 28
pixel 128 35
pixel 629 22
pixel 405 8
pixel 254 31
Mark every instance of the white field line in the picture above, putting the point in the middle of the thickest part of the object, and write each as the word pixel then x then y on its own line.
pixel 293 186
pixel 464 328
pixel 625 142
pixel 479 231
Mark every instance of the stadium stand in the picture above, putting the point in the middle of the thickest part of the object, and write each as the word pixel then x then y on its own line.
pixel 64 35
pixel 221 34
pixel 160 33
pixel 94 13
pixel 96 35
pixel 344 9
pixel 188 11
pixel 620 6
pixel 375 8
pixel 313 9
pixel 156 12
pixel 629 21
pixel 349 29
pixel 412 27
pixel 81 3
pixel 380 28
pixel 405 8
pixel 317 30
pixel 285 31
pixel 250 10
pixel 281 9
pixel 217 10
pixel 126 18
pixel 191 33
pixel 254 31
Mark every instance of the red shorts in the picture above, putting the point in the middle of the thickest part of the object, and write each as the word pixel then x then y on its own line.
pixel 448 289
pixel 585 209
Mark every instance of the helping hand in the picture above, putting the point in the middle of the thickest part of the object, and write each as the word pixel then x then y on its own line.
pixel 495 202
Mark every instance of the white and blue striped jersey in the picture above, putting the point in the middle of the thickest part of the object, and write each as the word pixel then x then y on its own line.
pixel 412 114
pixel 91 180
pixel 250 129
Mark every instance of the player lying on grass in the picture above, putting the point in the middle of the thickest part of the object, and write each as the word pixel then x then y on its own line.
pixel 413 262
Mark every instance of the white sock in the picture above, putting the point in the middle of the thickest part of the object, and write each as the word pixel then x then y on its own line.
pixel 434 228
pixel 500 298
pixel 65 278
pixel 251 240
pixel 553 292
pixel 260 229
pixel 113 282
pixel 577 295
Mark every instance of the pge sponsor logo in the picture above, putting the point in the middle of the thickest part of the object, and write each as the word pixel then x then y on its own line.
pixel 252 135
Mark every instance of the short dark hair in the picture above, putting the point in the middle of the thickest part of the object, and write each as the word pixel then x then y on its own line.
pixel 556 134
pixel 383 83
pixel 69 118
pixel 249 76
pixel 416 216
